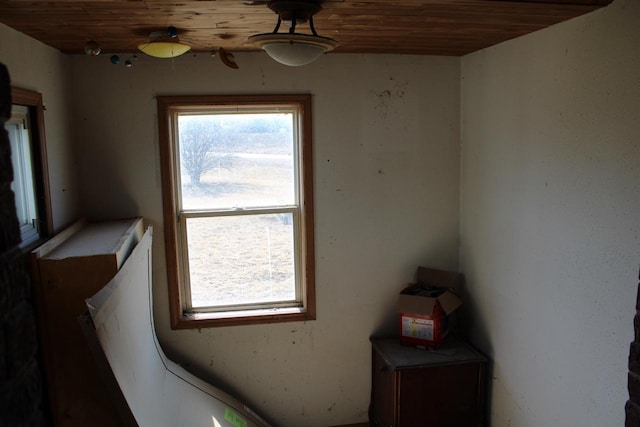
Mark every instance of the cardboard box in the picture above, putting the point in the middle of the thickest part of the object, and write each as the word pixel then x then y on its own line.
pixel 425 308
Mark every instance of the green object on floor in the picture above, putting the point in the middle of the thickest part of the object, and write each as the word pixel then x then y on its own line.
pixel 235 419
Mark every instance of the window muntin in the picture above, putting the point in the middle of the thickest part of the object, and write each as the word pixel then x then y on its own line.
pixel 239 225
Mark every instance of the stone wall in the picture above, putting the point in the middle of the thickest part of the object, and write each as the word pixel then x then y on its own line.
pixel 21 381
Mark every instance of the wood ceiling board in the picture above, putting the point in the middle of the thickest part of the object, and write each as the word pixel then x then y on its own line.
pixel 380 26
pixel 458 12
pixel 587 2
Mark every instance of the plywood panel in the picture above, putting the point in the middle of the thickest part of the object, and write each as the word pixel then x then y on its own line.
pixel 158 392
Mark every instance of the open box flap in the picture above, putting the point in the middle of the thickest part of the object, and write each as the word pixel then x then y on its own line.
pixel 439 278
pixel 415 304
pixel 449 302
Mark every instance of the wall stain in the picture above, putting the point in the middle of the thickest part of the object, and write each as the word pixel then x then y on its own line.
pixel 385 97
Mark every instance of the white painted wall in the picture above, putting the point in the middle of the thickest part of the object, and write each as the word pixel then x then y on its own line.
pixel 35 66
pixel 550 216
pixel 386 146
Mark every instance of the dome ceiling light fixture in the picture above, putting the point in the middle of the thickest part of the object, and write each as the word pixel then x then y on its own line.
pixel 294 49
pixel 164 44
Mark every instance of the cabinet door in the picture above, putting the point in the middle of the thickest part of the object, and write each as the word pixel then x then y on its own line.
pixel 440 396
pixel 383 393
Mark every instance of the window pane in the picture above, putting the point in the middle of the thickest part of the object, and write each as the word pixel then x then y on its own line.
pixel 241 259
pixel 22 185
pixel 236 160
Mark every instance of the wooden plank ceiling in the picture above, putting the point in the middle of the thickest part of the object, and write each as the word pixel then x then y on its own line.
pixel 427 27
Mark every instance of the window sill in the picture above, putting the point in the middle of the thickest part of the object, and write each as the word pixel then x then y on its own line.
pixel 27 247
pixel 242 317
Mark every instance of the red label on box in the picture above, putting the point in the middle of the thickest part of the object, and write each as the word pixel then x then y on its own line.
pixel 423 331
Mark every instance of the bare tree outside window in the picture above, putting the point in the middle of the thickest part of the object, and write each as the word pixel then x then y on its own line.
pixel 201 147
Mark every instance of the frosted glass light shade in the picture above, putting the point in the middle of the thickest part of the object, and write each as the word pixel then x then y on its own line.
pixel 164 49
pixel 293 49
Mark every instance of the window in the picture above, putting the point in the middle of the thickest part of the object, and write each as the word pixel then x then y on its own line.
pixel 28 159
pixel 238 208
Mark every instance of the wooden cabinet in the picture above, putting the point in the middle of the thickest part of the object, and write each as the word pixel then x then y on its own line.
pixel 69 268
pixel 413 387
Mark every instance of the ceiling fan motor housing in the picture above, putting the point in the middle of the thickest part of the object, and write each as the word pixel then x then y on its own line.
pixel 300 10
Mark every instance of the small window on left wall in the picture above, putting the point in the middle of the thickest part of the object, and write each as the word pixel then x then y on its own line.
pixel 30 183
pixel 25 197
